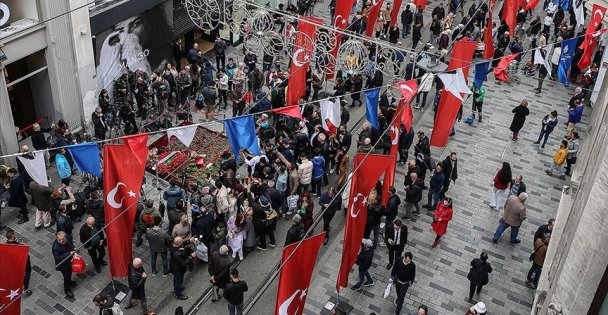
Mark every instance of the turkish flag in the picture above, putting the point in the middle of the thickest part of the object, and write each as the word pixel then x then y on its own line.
pixel 407 117
pixel 500 72
pixel 13 259
pixel 588 46
pixel 420 3
pixel 291 111
pixel 597 16
pixel 488 52
pixel 394 131
pixel 462 54
pixel 532 5
pixel 298 264
pixel 303 49
pixel 509 14
pixel 408 89
pixel 341 15
pixel 366 175
pixel 374 10
pixel 395 12
pixel 123 171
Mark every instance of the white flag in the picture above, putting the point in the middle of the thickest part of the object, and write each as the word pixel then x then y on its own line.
pixel 455 83
pixel 331 112
pixel 579 13
pixel 185 134
pixel 539 59
pixel 35 167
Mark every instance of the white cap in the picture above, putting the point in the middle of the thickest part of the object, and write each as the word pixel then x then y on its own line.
pixel 480 308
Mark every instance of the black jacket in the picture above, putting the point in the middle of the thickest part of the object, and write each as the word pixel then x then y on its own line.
pixel 479 272
pixel 374 214
pixel 137 281
pixel 541 231
pixel 86 233
pixel 450 174
pixel 234 292
pixel 179 260
pixel 219 268
pixel 61 252
pixel 389 233
pixel 522 187
pixel 408 179
pixel 364 259
pixel 392 205
pixel 295 233
pixel 413 194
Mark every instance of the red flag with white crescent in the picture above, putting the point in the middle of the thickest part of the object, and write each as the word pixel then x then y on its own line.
pixel 509 14
pixel 588 46
pixel 123 172
pixel 408 89
pixel 291 111
pixel 488 51
pixel 420 3
pixel 395 12
pixel 597 16
pixel 303 49
pixel 295 275
pixel 363 181
pixel 500 72
pixel 462 54
pixel 374 11
pixel 13 260
pixel 341 15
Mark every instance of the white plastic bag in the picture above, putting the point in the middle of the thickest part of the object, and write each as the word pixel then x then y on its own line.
pixel 202 253
pixel 389 286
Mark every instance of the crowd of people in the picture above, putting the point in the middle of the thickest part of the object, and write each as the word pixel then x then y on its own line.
pixel 293 177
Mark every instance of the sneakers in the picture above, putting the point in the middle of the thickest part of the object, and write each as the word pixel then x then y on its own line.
pixel 515 242
pixel 426 206
pixel 355 288
pixel 272 245
pixel 416 213
pixel 407 218
pixel 537 142
pixel 181 297
pixel 165 274
pixel 260 248
pixel 369 284
pixel 548 172
pixel 494 240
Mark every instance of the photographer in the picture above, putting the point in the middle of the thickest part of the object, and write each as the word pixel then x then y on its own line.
pixel 162 89
pixel 180 262
pixel 99 124
pixel 121 89
pixel 127 114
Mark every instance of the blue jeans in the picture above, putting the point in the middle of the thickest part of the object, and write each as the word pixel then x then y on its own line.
pixel 163 256
pixel 534 273
pixel 502 226
pixel 362 276
pixel 433 198
pixel 406 29
pixel 543 134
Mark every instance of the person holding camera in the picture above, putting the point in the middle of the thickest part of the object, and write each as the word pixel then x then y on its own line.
pixel 181 261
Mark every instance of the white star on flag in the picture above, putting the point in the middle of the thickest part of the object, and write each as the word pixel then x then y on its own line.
pixel 455 83
pixel 14 294
pixel 131 193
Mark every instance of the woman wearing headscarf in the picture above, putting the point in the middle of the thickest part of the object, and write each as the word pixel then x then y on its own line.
pixel 519 118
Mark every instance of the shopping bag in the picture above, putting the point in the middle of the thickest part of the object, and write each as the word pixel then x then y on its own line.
pixel 292 202
pixel 202 253
pixel 78 264
pixel 387 290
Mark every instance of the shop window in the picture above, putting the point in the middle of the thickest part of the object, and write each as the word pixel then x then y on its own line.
pixel 16 15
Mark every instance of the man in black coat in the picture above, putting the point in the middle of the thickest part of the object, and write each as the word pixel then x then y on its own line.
pixel 392 205
pixel 63 250
pixel 17 197
pixel 412 167
pixel 296 231
pixel 234 292
pixel 450 170
pixel 543 229
pixel 219 270
pixel 375 211
pixel 344 137
pixel 413 195
pixel 395 238
pixel 330 204
pixel 92 238
pixel 137 284
pixel 364 261
pixel 406 138
pixel 180 262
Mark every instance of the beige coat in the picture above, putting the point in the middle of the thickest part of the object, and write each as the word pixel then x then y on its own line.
pixel 515 211
pixel 305 172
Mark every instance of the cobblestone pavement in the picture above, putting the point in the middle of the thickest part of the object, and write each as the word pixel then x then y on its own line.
pixel 441 280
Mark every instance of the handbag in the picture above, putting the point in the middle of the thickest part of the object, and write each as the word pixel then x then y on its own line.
pixel 78 264
pixel 387 290
pixel 271 215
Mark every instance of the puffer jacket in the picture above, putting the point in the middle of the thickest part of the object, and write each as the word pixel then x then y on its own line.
pixel 305 172
pixel 426 83
pixel 318 167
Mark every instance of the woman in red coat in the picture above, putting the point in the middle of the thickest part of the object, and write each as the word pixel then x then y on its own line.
pixel 305 208
pixel 443 214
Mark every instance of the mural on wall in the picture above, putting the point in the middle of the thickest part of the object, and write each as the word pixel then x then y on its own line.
pixel 142 41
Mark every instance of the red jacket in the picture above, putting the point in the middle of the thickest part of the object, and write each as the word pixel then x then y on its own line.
pixel 442 216
pixel 498 185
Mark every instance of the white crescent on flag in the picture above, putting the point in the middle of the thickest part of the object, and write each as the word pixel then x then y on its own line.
pixel 111 198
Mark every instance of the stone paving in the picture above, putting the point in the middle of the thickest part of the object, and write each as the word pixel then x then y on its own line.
pixel 441 278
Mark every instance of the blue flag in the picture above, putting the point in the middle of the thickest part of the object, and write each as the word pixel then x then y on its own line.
pixel 481 73
pixel 86 157
pixel 565 59
pixel 565 4
pixel 241 134
pixel 371 105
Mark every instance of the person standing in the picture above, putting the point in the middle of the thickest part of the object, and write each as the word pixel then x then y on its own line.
pixel 158 239
pixel 392 205
pixel 478 96
pixel 178 52
pixel 500 186
pixel 234 293
pixel 575 114
pixel 441 217
pixel 146 220
pixel 478 309
pixel 364 261
pixel 450 171
pixel 513 216
pixel 41 199
pixel 180 262
pixel 543 229
pixel 395 238
pixel 137 283
pixel 237 233
pixel 426 83
pixel 63 167
pixel 404 276
pixel 318 171
pixel 548 124
pixel 219 47
pixel 172 195
pixel 517 186
pixel 296 232
pixel 416 35
pixel 219 270
pixel 92 238
pixel 573 148
pixel 407 17
pixel 519 118
pixel 435 186
pixel 413 192
pixel 17 197
pixel 12 239
pixel 63 250
pixel 478 275
pixel 558 159
pixel 538 260
pixel 330 204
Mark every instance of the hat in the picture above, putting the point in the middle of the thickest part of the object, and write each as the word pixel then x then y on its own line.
pixel 480 308
pixel 205 190
pixel 367 242
pixel 264 201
